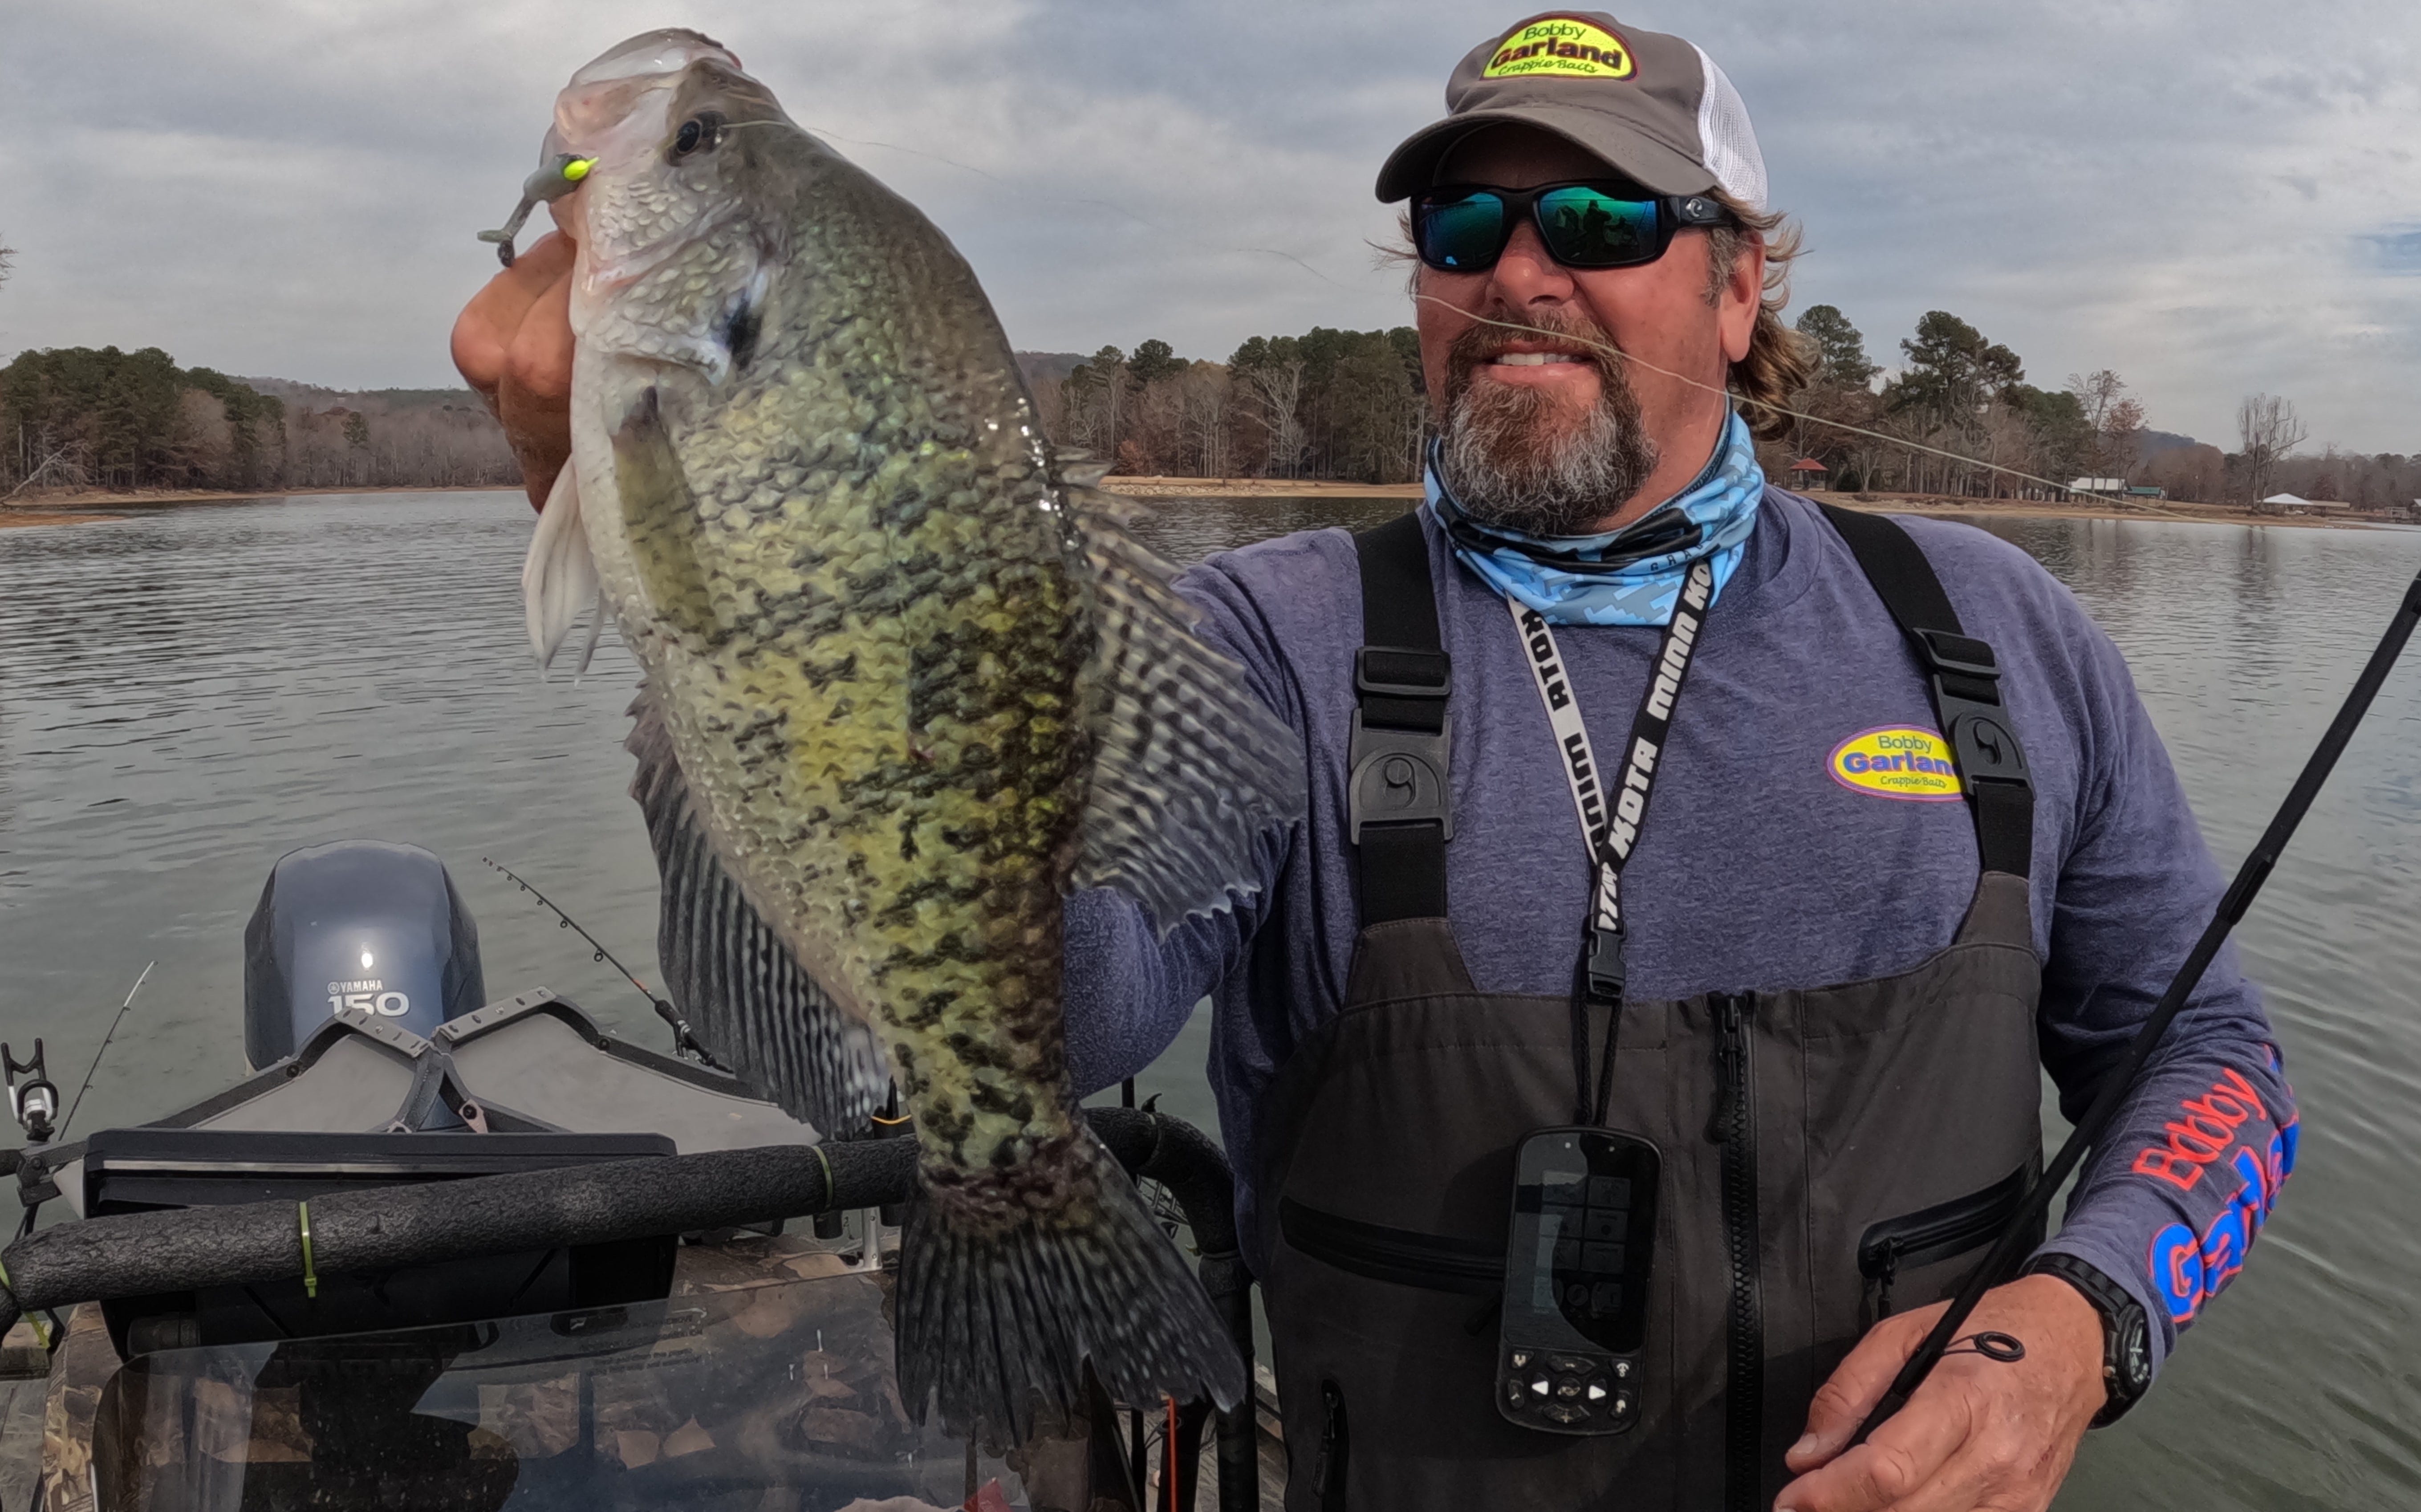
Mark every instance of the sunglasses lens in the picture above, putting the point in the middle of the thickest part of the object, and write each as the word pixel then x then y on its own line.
pixel 1465 232
pixel 1589 229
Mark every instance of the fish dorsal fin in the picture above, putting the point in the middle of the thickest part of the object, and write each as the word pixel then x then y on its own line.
pixel 558 577
pixel 1190 767
pixel 730 975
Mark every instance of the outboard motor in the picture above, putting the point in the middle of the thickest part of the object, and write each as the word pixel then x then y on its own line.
pixel 359 924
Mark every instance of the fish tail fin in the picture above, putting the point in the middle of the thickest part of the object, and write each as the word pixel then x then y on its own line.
pixel 1002 1300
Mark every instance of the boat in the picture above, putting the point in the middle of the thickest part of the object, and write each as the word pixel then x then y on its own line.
pixel 439 1251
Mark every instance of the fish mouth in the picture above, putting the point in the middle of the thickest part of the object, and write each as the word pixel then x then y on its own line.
pixel 617 113
pixel 614 108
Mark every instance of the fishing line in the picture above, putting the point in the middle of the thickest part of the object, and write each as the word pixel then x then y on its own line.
pixel 95 1068
pixel 1389 252
pixel 1766 404
pixel 2016 1239
pixel 1142 221
pixel 683 1038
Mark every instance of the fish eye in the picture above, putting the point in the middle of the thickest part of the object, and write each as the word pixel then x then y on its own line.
pixel 698 131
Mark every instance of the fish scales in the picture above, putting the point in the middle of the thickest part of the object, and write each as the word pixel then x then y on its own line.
pixel 906 686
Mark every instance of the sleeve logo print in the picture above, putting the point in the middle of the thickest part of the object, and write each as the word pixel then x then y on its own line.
pixel 2189 1269
pixel 1564 45
pixel 1897 761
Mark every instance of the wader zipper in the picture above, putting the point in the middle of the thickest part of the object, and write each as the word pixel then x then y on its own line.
pixel 1328 1472
pixel 1937 1233
pixel 1734 1127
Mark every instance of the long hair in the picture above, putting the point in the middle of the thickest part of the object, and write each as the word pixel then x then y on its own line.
pixel 1780 361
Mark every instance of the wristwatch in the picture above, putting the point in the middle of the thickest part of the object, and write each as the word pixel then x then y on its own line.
pixel 2126 1335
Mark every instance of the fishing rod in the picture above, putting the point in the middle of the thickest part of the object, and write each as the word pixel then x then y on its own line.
pixel 683 1040
pixel 94 1069
pixel 2010 1249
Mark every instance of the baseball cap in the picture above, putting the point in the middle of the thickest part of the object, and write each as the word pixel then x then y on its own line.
pixel 1654 107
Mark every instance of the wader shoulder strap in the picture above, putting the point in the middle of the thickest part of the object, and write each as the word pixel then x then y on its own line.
pixel 1398 811
pixel 1965 680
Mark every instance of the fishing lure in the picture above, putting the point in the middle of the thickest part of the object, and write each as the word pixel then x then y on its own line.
pixel 558 176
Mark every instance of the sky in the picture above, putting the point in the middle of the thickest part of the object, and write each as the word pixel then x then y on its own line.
pixel 2213 197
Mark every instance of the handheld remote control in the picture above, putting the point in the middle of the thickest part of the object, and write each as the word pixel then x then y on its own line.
pixel 1569 1349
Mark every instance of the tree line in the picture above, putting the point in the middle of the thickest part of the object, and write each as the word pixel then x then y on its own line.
pixel 84 417
pixel 1960 418
pixel 1957 417
pixel 1326 404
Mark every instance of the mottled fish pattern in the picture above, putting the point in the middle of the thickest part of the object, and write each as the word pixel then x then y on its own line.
pixel 907 684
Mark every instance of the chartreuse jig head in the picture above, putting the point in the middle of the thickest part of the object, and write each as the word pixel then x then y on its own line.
pixel 558 177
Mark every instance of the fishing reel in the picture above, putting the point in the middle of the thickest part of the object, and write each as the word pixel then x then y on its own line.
pixel 35 1103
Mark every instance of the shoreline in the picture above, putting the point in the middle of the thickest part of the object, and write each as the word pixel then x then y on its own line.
pixel 56 508
pixel 97 507
pixel 2204 514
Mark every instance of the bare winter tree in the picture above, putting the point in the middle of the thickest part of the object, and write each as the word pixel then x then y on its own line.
pixel 1274 392
pixel 1206 395
pixel 2114 422
pixel 2269 430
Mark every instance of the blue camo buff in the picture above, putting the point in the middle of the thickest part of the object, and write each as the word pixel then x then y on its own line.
pixel 1631 576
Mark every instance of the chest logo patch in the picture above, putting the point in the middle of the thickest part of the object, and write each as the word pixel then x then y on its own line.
pixel 1897 761
pixel 1560 45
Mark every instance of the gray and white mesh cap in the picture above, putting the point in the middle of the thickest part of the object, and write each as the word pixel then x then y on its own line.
pixel 1654 107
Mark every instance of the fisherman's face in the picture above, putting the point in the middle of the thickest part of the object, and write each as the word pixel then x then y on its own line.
pixel 1570 446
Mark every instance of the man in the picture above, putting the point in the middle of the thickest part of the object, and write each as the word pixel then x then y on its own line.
pixel 1770 849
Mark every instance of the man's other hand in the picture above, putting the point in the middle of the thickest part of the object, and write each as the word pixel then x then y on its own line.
pixel 513 344
pixel 1979 1434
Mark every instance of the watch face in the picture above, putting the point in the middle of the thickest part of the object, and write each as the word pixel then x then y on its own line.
pixel 2135 1358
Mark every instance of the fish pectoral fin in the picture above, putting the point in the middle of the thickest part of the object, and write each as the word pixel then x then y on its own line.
pixel 744 994
pixel 659 521
pixel 558 577
pixel 1192 768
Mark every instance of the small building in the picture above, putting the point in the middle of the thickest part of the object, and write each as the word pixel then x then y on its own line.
pixel 1807 473
pixel 2110 487
pixel 2146 490
pixel 2284 503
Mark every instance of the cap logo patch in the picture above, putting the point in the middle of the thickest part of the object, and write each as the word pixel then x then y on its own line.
pixel 1897 761
pixel 1561 46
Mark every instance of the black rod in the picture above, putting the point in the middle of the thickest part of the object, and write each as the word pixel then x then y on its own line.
pixel 2006 1255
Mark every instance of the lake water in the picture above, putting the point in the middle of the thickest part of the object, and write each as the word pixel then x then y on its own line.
pixel 189 693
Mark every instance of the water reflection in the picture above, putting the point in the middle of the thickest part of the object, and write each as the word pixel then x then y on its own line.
pixel 186 696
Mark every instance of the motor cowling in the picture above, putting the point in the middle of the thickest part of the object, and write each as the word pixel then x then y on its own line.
pixel 357 924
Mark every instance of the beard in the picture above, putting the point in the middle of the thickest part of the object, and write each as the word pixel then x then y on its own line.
pixel 1515 458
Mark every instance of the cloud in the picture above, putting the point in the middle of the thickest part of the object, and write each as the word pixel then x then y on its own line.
pixel 2211 197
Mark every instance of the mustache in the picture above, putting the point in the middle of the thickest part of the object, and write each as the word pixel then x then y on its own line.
pixel 1500 333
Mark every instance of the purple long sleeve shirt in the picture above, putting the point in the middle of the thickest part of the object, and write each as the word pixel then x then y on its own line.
pixel 1756 869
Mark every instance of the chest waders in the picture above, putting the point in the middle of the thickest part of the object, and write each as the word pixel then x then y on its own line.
pixel 1829 1155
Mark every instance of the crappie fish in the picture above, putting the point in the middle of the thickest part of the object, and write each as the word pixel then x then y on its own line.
pixel 908 683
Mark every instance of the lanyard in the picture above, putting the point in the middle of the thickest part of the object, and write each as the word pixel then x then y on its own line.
pixel 1610 832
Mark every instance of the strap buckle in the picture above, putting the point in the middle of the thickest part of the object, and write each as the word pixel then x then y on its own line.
pixel 1400 672
pixel 1605 969
pixel 1986 745
pixel 1397 777
pixel 1962 656
pixel 1980 735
